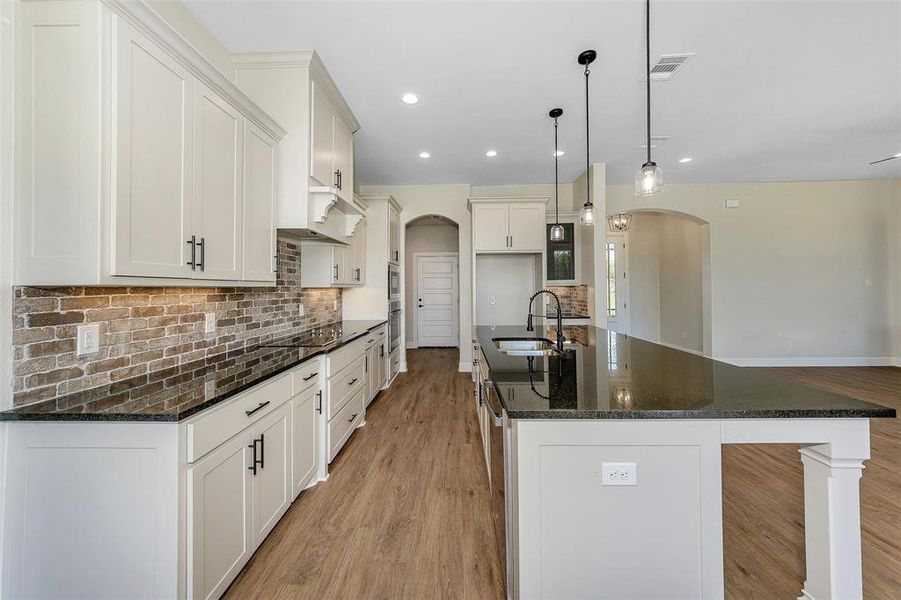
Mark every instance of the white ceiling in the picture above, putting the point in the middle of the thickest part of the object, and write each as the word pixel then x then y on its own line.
pixel 778 90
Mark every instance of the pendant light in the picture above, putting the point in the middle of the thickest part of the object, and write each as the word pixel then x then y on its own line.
pixel 557 232
pixel 587 214
pixel 619 222
pixel 649 179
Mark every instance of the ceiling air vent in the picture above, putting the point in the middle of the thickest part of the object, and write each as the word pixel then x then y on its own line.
pixel 668 65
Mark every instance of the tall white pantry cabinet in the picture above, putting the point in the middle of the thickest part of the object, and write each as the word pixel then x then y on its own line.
pixel 138 162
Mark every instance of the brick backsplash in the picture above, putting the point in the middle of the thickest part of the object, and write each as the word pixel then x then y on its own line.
pixel 573 299
pixel 147 329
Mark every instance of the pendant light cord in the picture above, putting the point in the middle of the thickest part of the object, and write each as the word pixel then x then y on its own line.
pixel 647 39
pixel 556 179
pixel 587 144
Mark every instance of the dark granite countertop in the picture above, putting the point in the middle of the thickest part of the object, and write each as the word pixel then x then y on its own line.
pixel 606 375
pixel 174 394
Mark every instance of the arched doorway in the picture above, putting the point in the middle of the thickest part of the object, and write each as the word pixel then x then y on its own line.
pixel 663 279
pixel 432 282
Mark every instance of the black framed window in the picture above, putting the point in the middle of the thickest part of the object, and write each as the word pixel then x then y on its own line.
pixel 561 256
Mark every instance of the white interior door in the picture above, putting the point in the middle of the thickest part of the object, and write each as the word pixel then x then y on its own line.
pixel 616 284
pixel 437 290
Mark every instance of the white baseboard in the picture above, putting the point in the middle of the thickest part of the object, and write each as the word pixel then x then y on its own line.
pixel 813 361
pixel 410 344
pixel 681 348
pixel 465 367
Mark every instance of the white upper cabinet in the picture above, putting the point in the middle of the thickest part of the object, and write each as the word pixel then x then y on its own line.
pixel 152 200
pixel 393 234
pixel 259 205
pixel 489 227
pixel 357 255
pixel 344 158
pixel 322 140
pixel 315 180
pixel 508 224
pixel 218 169
pixel 527 226
pixel 108 92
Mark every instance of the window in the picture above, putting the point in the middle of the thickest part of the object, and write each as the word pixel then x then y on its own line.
pixel 611 279
pixel 561 256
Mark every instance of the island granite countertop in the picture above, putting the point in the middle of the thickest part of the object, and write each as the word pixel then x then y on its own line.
pixel 174 394
pixel 606 375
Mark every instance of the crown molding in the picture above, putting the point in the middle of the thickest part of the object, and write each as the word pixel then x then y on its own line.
pixel 142 17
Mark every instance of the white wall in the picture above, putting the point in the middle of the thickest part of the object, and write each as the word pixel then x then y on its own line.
pixel 665 280
pixel 644 276
pixel 447 201
pixel 423 238
pixel 789 268
pixel 895 269
pixel 509 279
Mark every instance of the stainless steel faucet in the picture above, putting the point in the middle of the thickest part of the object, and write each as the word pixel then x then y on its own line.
pixel 530 327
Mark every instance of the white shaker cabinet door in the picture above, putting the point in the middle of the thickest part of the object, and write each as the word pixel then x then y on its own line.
pixel 218 154
pixel 304 437
pixel 358 252
pixel 220 538
pixel 271 483
pixel 259 205
pixel 344 159
pixel 489 227
pixel 322 155
pixel 153 128
pixel 527 226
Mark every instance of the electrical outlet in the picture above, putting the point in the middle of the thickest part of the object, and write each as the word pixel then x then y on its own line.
pixel 88 339
pixel 334 305
pixel 619 474
pixel 733 203
pixel 300 309
pixel 209 323
pixel 492 300
pixel 209 389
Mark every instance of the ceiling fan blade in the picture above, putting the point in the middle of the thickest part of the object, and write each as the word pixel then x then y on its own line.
pixel 876 162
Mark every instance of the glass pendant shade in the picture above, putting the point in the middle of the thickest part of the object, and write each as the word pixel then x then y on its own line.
pixel 557 233
pixel 619 222
pixel 648 180
pixel 586 217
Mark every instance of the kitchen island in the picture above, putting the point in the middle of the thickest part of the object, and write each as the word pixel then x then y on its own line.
pixel 605 465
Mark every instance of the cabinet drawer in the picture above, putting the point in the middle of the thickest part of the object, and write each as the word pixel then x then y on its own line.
pixel 342 357
pixel 306 375
pixel 221 423
pixel 342 426
pixel 381 332
pixel 343 385
pixel 370 339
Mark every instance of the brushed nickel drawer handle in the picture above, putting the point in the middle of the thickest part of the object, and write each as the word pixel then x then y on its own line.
pixel 261 405
pixel 352 417
pixel 311 376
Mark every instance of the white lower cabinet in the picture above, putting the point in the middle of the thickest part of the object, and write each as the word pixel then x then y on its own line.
pixel 305 408
pixel 220 537
pixel 206 490
pixel 271 481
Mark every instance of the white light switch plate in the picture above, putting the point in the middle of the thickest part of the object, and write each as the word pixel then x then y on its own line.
pixel 88 340
pixel 300 310
pixel 733 203
pixel 209 323
pixel 619 474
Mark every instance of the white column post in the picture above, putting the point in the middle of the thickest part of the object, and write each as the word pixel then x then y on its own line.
pixel 832 524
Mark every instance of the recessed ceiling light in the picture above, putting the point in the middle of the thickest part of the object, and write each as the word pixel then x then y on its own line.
pixel 559 153
pixel 491 153
pixel 425 155
pixel 687 159
pixel 410 98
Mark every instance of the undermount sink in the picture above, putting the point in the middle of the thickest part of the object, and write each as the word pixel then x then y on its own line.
pixel 525 346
